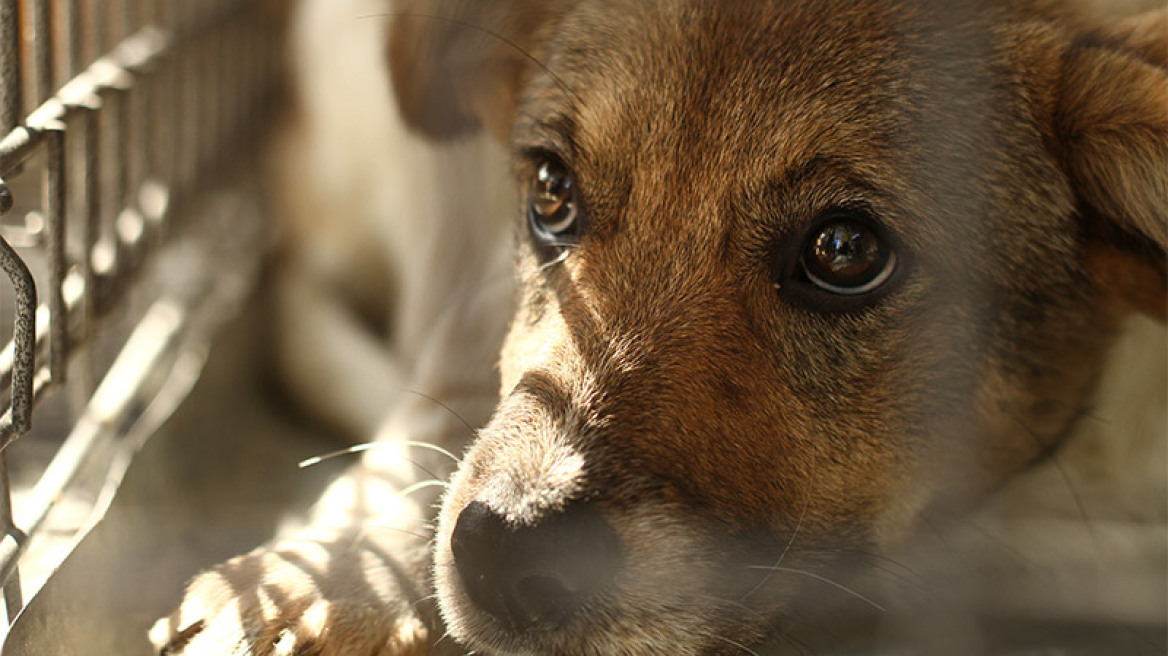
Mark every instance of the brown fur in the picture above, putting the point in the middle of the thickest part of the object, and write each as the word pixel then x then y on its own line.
pixel 673 371
pixel 709 407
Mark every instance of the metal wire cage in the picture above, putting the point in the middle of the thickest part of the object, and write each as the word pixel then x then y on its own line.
pixel 114 114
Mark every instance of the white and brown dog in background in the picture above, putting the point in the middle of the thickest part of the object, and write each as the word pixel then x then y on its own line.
pixel 802 287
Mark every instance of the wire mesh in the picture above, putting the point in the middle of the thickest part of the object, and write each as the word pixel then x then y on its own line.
pixel 114 109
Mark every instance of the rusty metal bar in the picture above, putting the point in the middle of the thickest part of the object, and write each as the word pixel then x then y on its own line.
pixel 54 190
pixel 154 196
pixel 114 152
pixel 19 414
pixel 18 419
pixel 91 213
pixel 187 126
pixel 40 24
pixel 16 147
pixel 13 595
pixel 11 87
pixel 123 20
pixel 70 25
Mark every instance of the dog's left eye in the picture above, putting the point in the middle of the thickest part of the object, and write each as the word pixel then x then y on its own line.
pixel 553 208
pixel 847 256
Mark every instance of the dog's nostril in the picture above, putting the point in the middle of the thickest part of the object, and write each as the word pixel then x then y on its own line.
pixel 533 575
pixel 549 588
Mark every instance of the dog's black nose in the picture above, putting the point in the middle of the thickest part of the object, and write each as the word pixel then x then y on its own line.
pixel 533 575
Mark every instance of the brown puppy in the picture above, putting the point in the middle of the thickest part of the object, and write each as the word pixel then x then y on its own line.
pixel 798 280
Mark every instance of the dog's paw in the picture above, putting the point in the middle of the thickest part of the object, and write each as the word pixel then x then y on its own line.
pixel 305 597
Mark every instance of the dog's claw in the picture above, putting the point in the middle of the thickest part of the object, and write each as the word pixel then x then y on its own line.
pixel 176 645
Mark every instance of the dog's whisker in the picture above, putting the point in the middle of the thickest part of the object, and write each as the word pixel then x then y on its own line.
pixel 799 645
pixel 421 485
pixel 1081 410
pixel 316 460
pixel 559 259
pixel 433 447
pixel 360 448
pixel 470 429
pixel 823 579
pixel 791 541
pixel 738 645
pixel 742 608
pixel 1051 450
pixel 425 470
pixel 430 598
pixel 899 571
pixel 447 636
pixel 423 522
pixel 397 529
pixel 894 568
pixel 999 541
pixel 1031 563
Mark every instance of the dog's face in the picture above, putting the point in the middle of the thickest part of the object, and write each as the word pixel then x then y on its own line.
pixel 797 277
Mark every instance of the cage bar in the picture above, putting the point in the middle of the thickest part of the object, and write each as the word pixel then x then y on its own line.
pixel 40 25
pixel 55 180
pixel 132 102
pixel 11 86
pixel 13 594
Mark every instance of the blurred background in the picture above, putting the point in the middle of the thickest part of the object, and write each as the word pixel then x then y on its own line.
pixel 141 441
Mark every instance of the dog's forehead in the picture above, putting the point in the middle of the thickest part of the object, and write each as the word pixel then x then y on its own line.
pixel 686 88
pixel 689 111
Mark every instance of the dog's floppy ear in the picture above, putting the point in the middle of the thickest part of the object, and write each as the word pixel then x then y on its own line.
pixel 1111 136
pixel 457 64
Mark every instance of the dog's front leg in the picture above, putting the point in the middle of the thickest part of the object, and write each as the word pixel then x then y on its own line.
pixel 344 594
pixel 353 581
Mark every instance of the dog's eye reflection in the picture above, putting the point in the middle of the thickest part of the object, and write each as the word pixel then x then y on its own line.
pixel 847 256
pixel 553 208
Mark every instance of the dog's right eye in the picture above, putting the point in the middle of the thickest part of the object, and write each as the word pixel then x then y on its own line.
pixel 847 257
pixel 845 262
pixel 553 208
